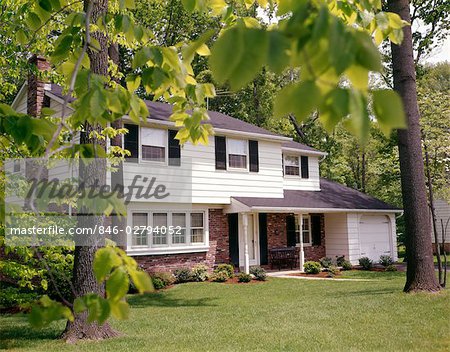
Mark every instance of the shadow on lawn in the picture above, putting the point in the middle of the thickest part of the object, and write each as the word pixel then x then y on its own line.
pixel 164 299
pixel 367 292
pixel 15 336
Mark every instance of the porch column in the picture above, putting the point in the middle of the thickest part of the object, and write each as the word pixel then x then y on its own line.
pixel 301 251
pixel 246 256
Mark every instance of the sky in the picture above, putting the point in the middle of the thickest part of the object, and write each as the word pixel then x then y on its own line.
pixel 441 53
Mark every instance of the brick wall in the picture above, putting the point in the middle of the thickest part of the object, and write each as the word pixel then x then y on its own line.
pixel 36 87
pixel 218 249
pixel 277 236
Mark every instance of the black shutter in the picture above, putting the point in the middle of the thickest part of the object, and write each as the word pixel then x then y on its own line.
pixel 233 232
pixel 131 142
pixel 263 239
pixel 305 166
pixel 221 153
pixel 316 230
pixel 290 231
pixel 254 157
pixel 174 149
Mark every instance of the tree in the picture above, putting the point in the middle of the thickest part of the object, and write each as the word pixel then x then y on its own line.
pixel 420 270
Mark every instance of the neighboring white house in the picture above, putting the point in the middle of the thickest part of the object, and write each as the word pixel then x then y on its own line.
pixel 442 209
pixel 246 192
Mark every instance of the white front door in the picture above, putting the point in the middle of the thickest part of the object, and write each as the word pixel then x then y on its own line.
pixel 252 240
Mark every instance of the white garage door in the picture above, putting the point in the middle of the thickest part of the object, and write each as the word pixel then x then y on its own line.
pixel 374 236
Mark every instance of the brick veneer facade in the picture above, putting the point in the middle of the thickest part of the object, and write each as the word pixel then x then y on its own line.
pixel 277 236
pixel 218 249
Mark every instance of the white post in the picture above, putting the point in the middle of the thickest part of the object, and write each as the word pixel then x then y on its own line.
pixel 246 256
pixel 301 252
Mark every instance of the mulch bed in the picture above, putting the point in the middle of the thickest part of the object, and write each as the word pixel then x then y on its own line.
pixel 322 274
pixel 234 280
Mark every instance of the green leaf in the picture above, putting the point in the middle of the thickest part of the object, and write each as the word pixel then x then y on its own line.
pixel 33 21
pixel 277 56
pixel 367 54
pixel 133 82
pixel 359 123
pixel 120 310
pixel 45 5
pixel 79 305
pixel 21 37
pixel 249 46
pixel 189 5
pixel 105 260
pixel 117 284
pixel 141 280
pixel 359 76
pixel 341 47
pixel 388 108
pixel 63 46
pixel 334 108
pixel 300 99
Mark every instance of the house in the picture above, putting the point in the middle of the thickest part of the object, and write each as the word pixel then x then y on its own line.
pixel 248 191
pixel 442 211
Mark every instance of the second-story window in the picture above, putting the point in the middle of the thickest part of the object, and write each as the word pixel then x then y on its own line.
pixel 237 153
pixel 291 165
pixel 153 144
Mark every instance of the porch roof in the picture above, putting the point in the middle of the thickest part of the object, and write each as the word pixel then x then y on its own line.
pixel 332 197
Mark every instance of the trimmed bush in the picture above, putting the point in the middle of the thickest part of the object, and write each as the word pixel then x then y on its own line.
pixel 182 275
pixel 326 262
pixel 386 260
pixel 340 260
pixel 13 297
pixel 311 267
pixel 226 268
pixel 333 270
pixel 200 273
pixel 243 277
pixel 162 279
pixel 366 263
pixel 391 268
pixel 220 276
pixel 259 273
pixel 346 265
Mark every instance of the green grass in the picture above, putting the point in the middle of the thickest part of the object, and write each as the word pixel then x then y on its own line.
pixel 279 315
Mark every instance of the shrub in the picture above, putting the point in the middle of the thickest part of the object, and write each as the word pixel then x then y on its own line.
pixel 162 279
pixel 391 268
pixel 243 277
pixel 200 273
pixel 259 273
pixel 326 262
pixel 333 270
pixel 346 265
pixel 182 275
pixel 311 267
pixel 386 260
pixel 340 260
pixel 226 268
pixel 366 263
pixel 220 276
pixel 12 297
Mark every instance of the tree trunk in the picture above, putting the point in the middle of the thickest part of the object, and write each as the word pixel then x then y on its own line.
pixel 117 176
pixel 83 279
pixel 433 212
pixel 420 274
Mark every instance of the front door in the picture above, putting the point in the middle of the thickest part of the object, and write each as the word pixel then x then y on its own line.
pixel 252 240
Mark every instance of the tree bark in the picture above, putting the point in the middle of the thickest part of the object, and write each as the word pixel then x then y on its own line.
pixel 420 274
pixel 84 280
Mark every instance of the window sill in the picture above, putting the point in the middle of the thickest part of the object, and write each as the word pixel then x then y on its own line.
pixel 304 245
pixel 166 250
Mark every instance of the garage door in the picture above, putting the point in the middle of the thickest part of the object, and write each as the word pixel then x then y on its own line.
pixel 374 236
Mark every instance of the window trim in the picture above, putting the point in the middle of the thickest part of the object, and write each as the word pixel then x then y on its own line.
pixel 166 146
pixel 284 166
pixel 300 232
pixel 170 247
pixel 247 158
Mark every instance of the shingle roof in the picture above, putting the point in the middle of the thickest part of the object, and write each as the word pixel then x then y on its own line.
pixel 299 146
pixel 162 111
pixel 331 196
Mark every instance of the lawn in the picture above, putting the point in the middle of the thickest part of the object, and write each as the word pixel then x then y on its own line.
pixel 279 315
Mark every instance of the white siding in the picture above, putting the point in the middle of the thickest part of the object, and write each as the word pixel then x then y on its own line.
pixel 336 235
pixel 354 252
pixel 442 213
pixel 309 184
pixel 20 104
pixel 198 173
